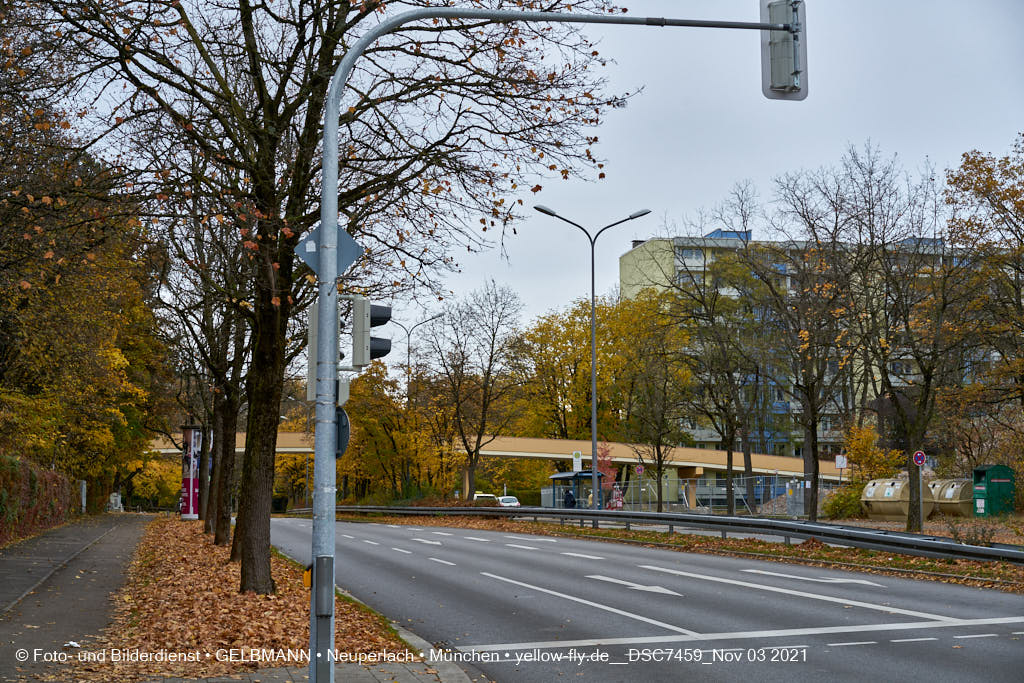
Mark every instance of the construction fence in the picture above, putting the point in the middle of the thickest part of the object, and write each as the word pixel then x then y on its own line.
pixel 771 495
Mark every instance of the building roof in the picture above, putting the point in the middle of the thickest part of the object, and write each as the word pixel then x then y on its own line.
pixel 622 453
pixel 287 442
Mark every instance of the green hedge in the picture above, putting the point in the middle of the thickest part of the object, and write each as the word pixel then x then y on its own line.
pixel 31 499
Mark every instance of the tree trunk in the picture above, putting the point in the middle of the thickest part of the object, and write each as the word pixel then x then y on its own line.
pixel 217 431
pixel 811 472
pixel 469 480
pixel 228 476
pixel 264 386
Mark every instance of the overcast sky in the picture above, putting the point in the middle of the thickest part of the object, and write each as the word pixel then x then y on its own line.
pixel 926 80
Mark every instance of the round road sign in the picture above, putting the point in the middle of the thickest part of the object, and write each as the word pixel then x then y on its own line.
pixel 639 469
pixel 919 458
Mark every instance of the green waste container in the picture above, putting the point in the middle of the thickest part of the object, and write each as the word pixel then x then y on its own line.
pixel 993 490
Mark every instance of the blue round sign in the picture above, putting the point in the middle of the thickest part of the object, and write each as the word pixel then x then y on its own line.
pixel 919 458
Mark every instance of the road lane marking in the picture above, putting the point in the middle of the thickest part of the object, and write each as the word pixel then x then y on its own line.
pixel 434 559
pixel 606 608
pixel 633 586
pixel 585 557
pixel 371 542
pixel 474 538
pixel 534 539
pixel 441 533
pixel 980 635
pixel 740 635
pixel 425 540
pixel 347 536
pixel 860 642
pixel 910 640
pixel 394 526
pixel 399 550
pixel 524 547
pixel 808 578
pixel 803 594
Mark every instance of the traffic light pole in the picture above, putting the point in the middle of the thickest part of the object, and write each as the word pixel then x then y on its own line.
pixel 321 638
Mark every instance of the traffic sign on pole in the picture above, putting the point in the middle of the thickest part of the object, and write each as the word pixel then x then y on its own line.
pixel 919 458
pixel 348 252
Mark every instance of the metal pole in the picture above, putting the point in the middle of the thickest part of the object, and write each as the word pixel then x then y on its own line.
pixel 321 636
pixel 594 483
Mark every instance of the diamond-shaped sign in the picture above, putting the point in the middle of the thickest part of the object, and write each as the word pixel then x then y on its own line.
pixel 308 250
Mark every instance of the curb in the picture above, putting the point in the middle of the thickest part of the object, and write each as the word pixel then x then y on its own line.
pixel 448 672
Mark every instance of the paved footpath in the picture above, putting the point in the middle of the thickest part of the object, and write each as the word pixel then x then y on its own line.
pixel 56 587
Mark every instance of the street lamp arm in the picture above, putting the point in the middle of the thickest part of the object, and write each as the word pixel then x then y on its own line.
pixel 638 214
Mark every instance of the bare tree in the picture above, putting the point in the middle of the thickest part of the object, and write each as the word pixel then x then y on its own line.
pixel 444 122
pixel 472 347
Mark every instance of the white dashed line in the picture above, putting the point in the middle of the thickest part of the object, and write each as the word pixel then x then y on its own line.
pixel 441 533
pixel 474 538
pixel 434 559
pixel 399 550
pixel 980 635
pixel 803 594
pixel 424 540
pixel 534 539
pixel 911 640
pixel 394 526
pixel 859 642
pixel 524 547
pixel 371 542
pixel 347 536
pixel 573 598
pixel 585 557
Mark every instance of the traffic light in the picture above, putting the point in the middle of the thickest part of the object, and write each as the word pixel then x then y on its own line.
pixel 784 53
pixel 366 316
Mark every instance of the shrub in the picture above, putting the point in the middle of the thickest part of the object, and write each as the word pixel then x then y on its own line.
pixel 971 532
pixel 31 499
pixel 844 502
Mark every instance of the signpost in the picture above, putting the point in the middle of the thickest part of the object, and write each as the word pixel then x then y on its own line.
pixel 840 465
pixel 919 461
pixel 577 461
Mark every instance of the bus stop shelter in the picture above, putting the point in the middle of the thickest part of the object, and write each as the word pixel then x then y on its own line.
pixel 571 481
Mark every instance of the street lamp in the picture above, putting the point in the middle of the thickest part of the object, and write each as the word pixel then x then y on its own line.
pixel 594 483
pixel 408 350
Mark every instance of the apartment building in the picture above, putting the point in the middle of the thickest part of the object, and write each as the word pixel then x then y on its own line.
pixel 662 262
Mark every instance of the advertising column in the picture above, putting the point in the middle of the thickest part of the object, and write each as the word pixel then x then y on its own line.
pixel 192 441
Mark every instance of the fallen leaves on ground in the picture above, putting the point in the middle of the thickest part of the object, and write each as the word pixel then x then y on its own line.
pixel 182 596
pixel 1000 575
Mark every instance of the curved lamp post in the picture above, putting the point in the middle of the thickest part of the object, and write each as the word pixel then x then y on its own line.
pixel 408 352
pixel 594 483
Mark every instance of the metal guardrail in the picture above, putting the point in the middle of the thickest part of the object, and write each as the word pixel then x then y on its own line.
pixel 858 537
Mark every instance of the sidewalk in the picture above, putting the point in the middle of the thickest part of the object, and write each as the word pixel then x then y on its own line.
pixel 56 588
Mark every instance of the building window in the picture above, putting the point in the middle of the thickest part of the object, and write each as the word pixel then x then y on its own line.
pixel 691 254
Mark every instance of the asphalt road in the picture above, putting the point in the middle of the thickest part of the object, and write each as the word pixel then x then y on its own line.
pixel 528 608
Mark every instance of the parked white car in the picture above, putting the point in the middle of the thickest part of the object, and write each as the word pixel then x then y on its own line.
pixel 508 501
